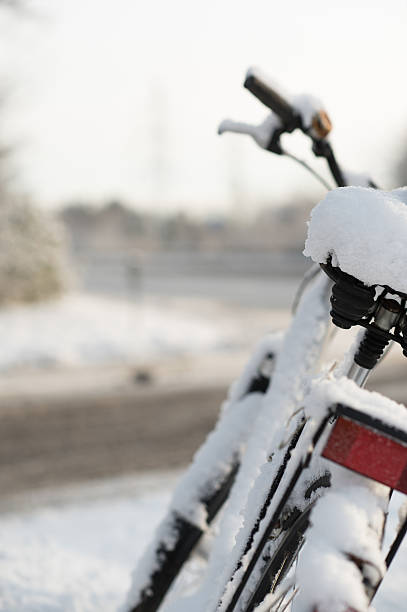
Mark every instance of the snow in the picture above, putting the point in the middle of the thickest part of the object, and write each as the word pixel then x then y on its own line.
pixel 330 541
pixel 306 105
pixel 352 500
pixel 81 329
pixel 211 465
pixel 357 179
pixel 74 550
pixel 77 557
pixel 296 361
pixel 261 133
pixel 364 231
pixel 328 391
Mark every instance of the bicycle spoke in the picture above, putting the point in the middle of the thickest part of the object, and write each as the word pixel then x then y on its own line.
pixel 293 594
pixel 276 598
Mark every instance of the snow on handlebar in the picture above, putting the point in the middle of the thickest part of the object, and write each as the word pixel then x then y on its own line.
pixel 262 134
pixel 288 113
pixel 303 111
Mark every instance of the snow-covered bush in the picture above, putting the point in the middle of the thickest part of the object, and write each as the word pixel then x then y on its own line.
pixel 32 253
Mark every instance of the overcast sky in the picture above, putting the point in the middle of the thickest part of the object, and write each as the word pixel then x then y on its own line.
pixel 121 98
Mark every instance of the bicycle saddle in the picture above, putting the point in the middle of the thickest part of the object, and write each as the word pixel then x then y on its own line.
pixel 363 232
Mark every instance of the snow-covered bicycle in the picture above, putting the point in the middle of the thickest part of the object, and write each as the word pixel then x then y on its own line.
pixel 303 460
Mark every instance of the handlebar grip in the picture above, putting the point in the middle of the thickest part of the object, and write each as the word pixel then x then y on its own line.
pixel 257 84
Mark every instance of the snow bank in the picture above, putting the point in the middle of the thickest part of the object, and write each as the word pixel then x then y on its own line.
pixel 77 557
pixel 365 232
pixel 88 330
pixel 39 576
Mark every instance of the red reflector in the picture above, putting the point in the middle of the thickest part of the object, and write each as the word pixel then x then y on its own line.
pixel 369 453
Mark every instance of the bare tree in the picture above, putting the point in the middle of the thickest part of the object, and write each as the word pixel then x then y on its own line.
pixel 32 245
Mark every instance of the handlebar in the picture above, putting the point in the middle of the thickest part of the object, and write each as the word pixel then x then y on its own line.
pixel 260 86
pixel 302 112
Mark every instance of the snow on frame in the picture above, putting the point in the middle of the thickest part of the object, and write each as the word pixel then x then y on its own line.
pixel 365 232
pixel 352 500
pixel 300 350
pixel 328 391
pixel 211 464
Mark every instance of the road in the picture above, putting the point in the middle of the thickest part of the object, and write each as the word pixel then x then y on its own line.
pixel 97 424
pixel 53 440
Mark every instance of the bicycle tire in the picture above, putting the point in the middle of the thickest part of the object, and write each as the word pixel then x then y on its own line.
pixel 172 560
pixel 168 560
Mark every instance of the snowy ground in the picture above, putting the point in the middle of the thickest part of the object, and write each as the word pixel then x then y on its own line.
pixel 73 550
pixel 81 329
pixel 88 340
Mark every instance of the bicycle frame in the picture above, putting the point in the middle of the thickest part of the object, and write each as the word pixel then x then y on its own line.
pixel 261 449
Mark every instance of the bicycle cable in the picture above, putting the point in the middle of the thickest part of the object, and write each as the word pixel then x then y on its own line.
pixel 305 164
pixel 307 278
pixel 310 275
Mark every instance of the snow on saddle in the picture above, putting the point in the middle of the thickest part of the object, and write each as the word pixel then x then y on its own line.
pixel 364 232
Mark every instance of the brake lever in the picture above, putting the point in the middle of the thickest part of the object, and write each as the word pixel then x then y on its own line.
pixel 266 134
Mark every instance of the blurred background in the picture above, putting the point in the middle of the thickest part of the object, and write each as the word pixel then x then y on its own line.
pixel 142 256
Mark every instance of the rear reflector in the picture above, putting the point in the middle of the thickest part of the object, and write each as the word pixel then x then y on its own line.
pixel 368 452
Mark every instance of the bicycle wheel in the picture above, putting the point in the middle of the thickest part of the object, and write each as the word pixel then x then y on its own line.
pixel 277 565
pixel 171 559
pixel 206 484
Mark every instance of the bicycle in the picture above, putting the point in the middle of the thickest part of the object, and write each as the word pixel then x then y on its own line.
pixel 319 442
